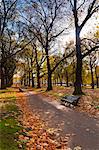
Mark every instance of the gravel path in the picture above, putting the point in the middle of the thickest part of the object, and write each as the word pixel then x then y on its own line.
pixel 84 130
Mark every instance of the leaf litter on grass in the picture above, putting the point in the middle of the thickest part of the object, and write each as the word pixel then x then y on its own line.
pixel 35 134
pixel 9 124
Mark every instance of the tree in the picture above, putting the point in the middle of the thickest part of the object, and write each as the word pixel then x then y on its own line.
pixel 39 60
pixel 44 26
pixel 77 12
pixel 10 40
pixel 7 14
pixel 91 58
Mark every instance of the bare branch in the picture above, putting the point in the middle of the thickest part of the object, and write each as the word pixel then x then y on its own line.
pixel 89 13
pixel 21 49
pixel 70 54
pixel 89 40
pixel 81 5
pixel 71 4
pixel 91 50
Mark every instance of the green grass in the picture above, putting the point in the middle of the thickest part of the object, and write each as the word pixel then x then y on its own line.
pixel 8 128
pixel 9 124
pixel 6 90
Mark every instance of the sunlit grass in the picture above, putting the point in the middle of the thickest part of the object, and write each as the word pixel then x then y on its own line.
pixel 7 94
pixel 9 124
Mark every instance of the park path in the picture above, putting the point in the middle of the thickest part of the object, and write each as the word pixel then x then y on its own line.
pixel 84 130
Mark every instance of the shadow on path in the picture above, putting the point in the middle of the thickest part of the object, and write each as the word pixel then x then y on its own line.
pixel 84 130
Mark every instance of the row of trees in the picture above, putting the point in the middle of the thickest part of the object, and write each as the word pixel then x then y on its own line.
pixel 36 27
pixel 64 73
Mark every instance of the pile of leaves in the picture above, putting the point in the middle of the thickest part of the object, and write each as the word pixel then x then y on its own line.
pixel 35 134
pixel 89 102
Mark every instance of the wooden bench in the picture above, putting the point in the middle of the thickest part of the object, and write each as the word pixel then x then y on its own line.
pixel 70 101
pixel 21 90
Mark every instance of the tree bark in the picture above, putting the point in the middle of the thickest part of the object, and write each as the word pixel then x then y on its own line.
pixel 25 80
pixel 29 78
pixel 60 80
pixel 2 80
pixel 38 77
pixel 33 85
pixel 78 82
pixel 57 82
pixel 92 78
pixel 42 81
pixel 10 82
pixel 3 86
pixel 97 78
pixel 97 82
pixel 67 79
pixel 37 68
pixel 49 80
pixel 21 82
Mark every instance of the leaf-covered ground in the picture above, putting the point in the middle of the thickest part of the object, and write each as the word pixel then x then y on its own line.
pixel 35 132
pixel 9 124
pixel 22 129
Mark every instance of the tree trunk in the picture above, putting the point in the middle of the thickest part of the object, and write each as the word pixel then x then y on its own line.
pixel 29 78
pixel 37 69
pixel 78 82
pixel 38 77
pixel 92 78
pixel 3 86
pixel 49 80
pixel 42 81
pixel 73 79
pixel 97 82
pixel 10 83
pixel 21 82
pixel 55 82
pixel 67 78
pixel 24 80
pixel 33 81
pixel 7 82
pixel 60 81
pixel 97 78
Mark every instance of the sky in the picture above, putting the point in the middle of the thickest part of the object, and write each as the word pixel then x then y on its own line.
pixel 89 29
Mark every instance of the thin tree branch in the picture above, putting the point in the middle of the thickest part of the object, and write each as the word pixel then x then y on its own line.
pixel 92 49
pixel 70 54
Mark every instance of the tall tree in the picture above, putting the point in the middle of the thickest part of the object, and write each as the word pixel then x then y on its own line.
pixel 45 19
pixel 77 8
pixel 7 15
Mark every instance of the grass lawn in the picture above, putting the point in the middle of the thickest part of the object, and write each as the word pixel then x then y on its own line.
pixel 9 125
